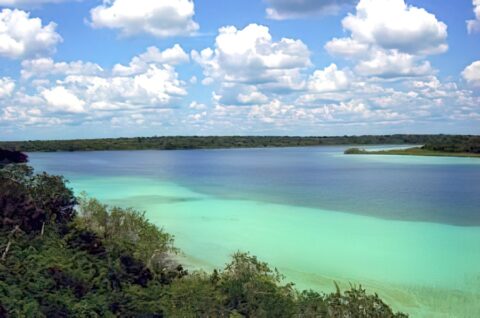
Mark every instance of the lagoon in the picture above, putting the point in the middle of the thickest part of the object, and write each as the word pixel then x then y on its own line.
pixel 407 228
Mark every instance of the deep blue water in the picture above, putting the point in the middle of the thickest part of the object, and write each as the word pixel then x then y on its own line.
pixel 441 190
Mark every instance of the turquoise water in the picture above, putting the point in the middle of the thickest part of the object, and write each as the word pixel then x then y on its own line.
pixel 405 227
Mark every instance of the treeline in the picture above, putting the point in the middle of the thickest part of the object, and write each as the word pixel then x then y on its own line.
pixel 218 142
pixel 63 256
pixel 456 144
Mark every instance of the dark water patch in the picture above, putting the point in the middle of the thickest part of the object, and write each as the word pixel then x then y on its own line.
pixel 153 199
pixel 440 190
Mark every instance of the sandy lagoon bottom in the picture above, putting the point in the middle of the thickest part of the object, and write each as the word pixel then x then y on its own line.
pixel 424 269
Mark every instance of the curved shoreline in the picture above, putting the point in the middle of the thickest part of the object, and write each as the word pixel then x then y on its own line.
pixel 411 152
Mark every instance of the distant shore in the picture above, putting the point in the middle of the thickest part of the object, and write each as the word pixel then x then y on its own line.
pixel 224 142
pixel 416 151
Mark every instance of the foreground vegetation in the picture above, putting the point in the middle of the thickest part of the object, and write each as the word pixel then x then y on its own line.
pixel 63 256
pixel 443 146
pixel 212 142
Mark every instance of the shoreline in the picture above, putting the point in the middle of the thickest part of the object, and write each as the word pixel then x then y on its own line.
pixel 411 152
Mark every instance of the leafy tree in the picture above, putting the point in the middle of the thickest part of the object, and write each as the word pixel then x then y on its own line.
pixel 126 229
pixel 8 156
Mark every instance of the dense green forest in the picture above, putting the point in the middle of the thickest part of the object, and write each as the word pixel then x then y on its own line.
pixel 456 144
pixel 212 142
pixel 451 146
pixel 62 256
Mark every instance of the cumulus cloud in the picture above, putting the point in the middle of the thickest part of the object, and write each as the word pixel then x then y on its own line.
pixel 156 87
pixel 174 55
pixel 59 99
pixel 392 64
pixel 248 62
pixel 81 92
pixel 395 25
pixel 330 79
pixel 46 67
pixel 347 47
pixel 22 36
pixel 288 9
pixel 160 18
pixel 7 85
pixel 472 73
pixel 390 38
pixel 474 25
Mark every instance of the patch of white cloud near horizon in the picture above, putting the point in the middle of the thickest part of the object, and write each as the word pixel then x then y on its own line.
pixel 157 86
pixel 22 36
pixel 79 92
pixel 160 18
pixel 472 73
pixel 288 9
pixel 248 63
pixel 390 39
pixel 474 25
pixel 7 85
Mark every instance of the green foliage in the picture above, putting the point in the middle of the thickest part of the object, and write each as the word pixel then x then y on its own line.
pixel 354 151
pixel 45 195
pixel 111 262
pixel 125 230
pixel 455 144
pixel 254 289
pixel 8 157
pixel 211 142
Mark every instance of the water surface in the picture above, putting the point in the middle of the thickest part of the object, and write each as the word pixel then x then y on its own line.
pixel 405 227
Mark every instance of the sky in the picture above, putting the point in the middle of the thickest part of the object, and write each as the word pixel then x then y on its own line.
pixel 123 68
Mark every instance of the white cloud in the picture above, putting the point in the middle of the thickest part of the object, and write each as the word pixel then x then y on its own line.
pixel 474 25
pixel 160 18
pixel 395 25
pixel 390 38
pixel 22 36
pixel 347 47
pixel 330 79
pixel 249 60
pixel 172 56
pixel 288 9
pixel 197 106
pixel 45 67
pixel 251 56
pixel 7 85
pixel 157 86
pixel 393 64
pixel 29 3
pixel 472 73
pixel 83 93
pixel 59 99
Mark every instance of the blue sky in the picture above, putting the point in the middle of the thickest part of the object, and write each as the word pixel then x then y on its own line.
pixel 83 69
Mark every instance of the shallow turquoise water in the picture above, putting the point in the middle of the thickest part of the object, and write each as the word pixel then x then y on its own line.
pixel 216 202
